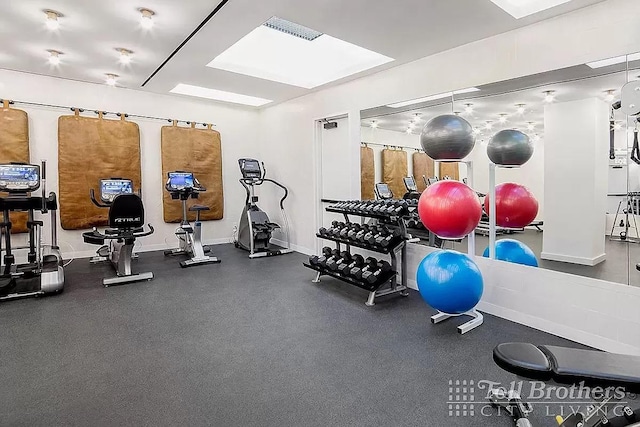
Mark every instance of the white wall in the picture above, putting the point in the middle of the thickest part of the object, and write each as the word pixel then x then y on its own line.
pixel 237 126
pixel 604 30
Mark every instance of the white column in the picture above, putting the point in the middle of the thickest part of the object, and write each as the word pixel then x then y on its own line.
pixel 576 139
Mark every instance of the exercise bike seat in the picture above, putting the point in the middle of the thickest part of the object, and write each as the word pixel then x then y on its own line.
pixel 569 365
pixel 198 208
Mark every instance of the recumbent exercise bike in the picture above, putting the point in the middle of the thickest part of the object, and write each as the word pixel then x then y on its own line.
pixel 43 273
pixel 126 224
pixel 183 185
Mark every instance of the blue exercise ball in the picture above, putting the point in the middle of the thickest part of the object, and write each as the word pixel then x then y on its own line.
pixel 511 250
pixel 450 282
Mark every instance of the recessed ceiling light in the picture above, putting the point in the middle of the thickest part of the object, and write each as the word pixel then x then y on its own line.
pixel 477 131
pixel 520 108
pixel 531 126
pixel 613 61
pixel 617 125
pixel 409 130
pixel 488 125
pixel 549 95
pixel 125 55
pixel 54 57
pixel 416 117
pixel 609 95
pixel 374 124
pixel 433 97
pixel 219 95
pixel 536 138
pixel 52 21
pixel 521 8
pixel 503 118
pixel 111 79
pixel 146 18
pixel 468 108
pixel 287 55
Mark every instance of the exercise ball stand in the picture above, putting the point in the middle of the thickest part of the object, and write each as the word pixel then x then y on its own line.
pixel 477 320
pixel 477 317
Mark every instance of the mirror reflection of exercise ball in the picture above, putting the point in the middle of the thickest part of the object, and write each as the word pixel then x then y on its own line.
pixel 510 147
pixel 630 99
pixel 447 137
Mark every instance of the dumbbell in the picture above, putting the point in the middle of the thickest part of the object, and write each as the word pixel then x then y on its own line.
pixel 327 252
pixel 353 231
pixel 356 272
pixel 336 226
pixel 344 232
pixel 385 239
pixel 332 263
pixel 356 261
pixel 371 276
pixel 364 229
pixel 370 236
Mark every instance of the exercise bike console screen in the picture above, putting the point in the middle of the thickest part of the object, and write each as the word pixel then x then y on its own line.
pixel 250 168
pixel 383 191
pixel 111 188
pixel 180 180
pixel 19 178
pixel 410 183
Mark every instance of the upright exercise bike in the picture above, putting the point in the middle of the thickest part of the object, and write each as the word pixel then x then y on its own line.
pixel 255 229
pixel 183 185
pixel 43 273
pixel 126 224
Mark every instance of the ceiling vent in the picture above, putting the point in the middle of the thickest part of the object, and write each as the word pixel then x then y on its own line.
pixel 292 28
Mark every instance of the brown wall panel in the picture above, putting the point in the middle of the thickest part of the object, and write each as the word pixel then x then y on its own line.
pixel 449 169
pixel 423 165
pixel 91 149
pixel 394 168
pixel 367 174
pixel 198 151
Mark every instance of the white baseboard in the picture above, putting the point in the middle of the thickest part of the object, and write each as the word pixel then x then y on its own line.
pixel 296 248
pixel 572 259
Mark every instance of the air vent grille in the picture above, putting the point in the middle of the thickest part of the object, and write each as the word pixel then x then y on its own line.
pixel 292 28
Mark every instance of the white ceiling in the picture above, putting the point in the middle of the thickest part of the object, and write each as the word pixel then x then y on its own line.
pixel 91 30
pixel 501 98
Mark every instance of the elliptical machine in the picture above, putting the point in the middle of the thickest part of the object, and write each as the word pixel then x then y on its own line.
pixel 183 185
pixel 255 229
pixel 126 224
pixel 43 273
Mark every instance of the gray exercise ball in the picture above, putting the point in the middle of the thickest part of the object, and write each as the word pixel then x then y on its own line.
pixel 447 137
pixel 510 147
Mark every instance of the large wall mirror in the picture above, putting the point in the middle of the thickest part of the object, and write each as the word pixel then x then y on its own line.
pixel 584 172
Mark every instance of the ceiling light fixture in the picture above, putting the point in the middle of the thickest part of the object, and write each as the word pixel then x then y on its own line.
pixel 457 113
pixel 488 125
pixel 409 130
pixel 52 19
pixel 617 125
pixel 412 125
pixel 146 18
pixel 219 95
pixel 433 97
pixel 54 57
pixel 536 138
pixel 374 124
pixel 416 118
pixel 111 79
pixel 609 97
pixel 521 8
pixel 503 118
pixel 477 131
pixel 531 126
pixel 468 108
pixel 125 55
pixel 549 95
pixel 520 108
pixel 613 61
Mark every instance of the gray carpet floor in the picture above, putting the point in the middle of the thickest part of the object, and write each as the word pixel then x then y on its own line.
pixel 241 343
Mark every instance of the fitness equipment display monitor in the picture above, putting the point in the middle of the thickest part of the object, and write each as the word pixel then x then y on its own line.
pixel 250 168
pixel 432 181
pixel 180 180
pixel 19 178
pixel 383 191
pixel 410 183
pixel 111 188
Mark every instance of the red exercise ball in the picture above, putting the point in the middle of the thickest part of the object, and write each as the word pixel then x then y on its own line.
pixel 516 206
pixel 449 209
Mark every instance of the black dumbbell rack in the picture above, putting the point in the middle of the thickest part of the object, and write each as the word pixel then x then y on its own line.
pixel 397 250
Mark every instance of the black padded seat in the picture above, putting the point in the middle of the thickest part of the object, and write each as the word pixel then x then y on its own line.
pixel 523 359
pixel 198 208
pixel 569 365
